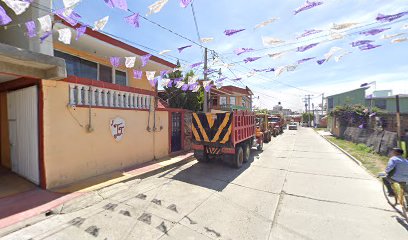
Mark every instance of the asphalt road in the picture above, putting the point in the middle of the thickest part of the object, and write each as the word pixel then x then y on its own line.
pixel 299 187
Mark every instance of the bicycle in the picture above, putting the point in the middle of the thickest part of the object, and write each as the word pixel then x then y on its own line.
pixel 400 197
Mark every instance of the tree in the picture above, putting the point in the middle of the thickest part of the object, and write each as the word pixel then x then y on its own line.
pixel 177 98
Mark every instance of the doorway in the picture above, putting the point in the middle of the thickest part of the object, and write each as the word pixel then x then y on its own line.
pixel 22 115
pixel 176 131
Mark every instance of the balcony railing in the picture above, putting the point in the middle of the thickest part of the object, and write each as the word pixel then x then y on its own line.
pixel 229 107
pixel 82 95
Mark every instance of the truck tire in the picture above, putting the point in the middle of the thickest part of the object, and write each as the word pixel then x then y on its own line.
pixel 201 156
pixel 247 152
pixel 274 133
pixel 269 137
pixel 260 146
pixel 238 157
pixel 265 138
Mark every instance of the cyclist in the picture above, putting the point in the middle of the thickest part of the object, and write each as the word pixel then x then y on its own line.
pixel 397 170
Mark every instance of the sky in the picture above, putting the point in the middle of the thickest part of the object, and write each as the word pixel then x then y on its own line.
pixel 387 65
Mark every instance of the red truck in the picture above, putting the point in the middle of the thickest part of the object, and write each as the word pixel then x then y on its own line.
pixel 277 123
pixel 230 135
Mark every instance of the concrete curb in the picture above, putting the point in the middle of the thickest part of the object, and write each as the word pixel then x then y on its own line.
pixel 349 155
pixel 344 151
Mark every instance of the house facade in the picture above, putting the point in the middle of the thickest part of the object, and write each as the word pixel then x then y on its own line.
pixel 229 98
pixel 67 114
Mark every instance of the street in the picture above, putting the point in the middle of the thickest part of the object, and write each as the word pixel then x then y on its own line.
pixel 299 187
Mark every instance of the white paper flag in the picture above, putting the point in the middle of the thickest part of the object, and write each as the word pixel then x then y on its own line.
pixel 130 62
pixel 45 22
pixel 268 41
pixel 385 36
pixel 150 75
pixel 192 79
pixel 196 88
pixel 280 70
pixel 338 58
pixel 157 6
pixel 399 40
pixel 336 36
pixel 179 84
pixel 331 53
pixel 17 6
pixel 206 40
pixel 276 55
pixel 291 68
pixel 263 24
pixel 164 52
pixel 70 3
pixel 165 82
pixel 65 35
pixel 206 83
pixel 343 25
pixel 100 24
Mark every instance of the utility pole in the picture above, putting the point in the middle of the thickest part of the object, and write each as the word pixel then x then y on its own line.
pixel 307 106
pixel 322 103
pixel 205 105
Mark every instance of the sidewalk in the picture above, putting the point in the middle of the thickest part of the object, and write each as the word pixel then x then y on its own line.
pixel 29 204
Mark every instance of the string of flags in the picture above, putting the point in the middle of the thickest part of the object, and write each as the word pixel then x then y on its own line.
pixel 42 27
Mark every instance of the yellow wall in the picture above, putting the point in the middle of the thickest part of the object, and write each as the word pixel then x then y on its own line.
pixel 142 83
pixel 72 154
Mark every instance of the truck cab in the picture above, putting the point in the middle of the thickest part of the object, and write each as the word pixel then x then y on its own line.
pixel 277 123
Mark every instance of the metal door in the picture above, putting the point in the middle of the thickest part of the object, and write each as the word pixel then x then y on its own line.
pixel 22 108
pixel 175 132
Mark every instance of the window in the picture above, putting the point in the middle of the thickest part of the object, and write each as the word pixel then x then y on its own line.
pixel 243 102
pixel 330 103
pixel 105 73
pixel 120 78
pixel 79 67
pixel 223 101
pixel 381 103
pixel 215 102
pixel 232 100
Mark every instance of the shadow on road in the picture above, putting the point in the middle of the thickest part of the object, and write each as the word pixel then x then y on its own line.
pixel 215 174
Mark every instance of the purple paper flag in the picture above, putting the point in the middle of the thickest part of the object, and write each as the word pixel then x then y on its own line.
pixel 308 33
pixel 361 126
pixel 163 73
pixel 180 49
pixel 170 84
pixel 31 31
pixel 373 114
pixel 308 5
pixel 137 74
pixel 220 79
pixel 115 61
pixel 185 3
pixel 72 18
pixel 4 18
pixel 236 79
pixel 209 71
pixel 251 59
pixel 192 86
pixel 390 18
pixel 360 42
pixel 80 31
pixel 368 47
pixel 232 31
pixel 208 88
pixel 196 64
pixel 307 47
pixel 374 31
pixel 240 51
pixel 305 60
pixel 154 81
pixel 45 36
pixel 184 87
pixel 321 61
pixel 133 20
pixel 145 59
pixel 270 70
pixel 109 3
pixel 121 4
pixel 176 80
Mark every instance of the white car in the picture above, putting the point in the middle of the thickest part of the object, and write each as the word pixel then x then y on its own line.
pixel 292 126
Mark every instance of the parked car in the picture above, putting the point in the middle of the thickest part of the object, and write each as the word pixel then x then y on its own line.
pixel 292 126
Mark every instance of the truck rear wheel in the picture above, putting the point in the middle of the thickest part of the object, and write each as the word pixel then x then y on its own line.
pixel 269 137
pixel 238 157
pixel 247 152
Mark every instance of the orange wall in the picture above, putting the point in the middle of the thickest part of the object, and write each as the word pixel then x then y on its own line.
pixel 142 83
pixel 71 153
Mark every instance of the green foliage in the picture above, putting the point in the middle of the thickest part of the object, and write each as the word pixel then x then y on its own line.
pixel 177 98
pixel 364 148
pixel 305 116
pixel 262 111
pixel 350 115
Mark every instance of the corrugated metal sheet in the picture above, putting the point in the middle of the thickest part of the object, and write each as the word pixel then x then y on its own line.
pixel 23 132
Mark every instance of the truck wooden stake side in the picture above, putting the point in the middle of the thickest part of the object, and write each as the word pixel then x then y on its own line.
pixel 230 135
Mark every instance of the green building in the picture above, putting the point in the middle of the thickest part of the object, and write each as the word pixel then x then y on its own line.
pixel 356 96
